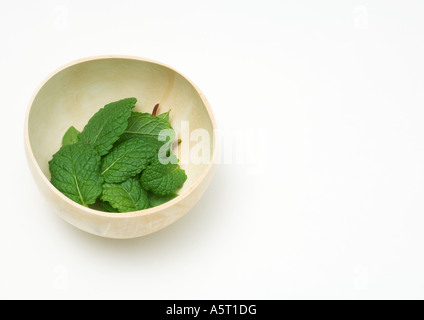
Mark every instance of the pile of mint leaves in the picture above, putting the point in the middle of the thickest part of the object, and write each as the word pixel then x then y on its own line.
pixel 114 162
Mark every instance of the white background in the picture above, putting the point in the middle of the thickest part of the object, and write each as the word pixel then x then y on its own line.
pixel 332 205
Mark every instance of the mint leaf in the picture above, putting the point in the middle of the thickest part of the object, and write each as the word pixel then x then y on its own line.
pixel 75 171
pixel 127 196
pixel 103 206
pixel 163 179
pixel 70 137
pixel 107 125
pixel 164 116
pixel 108 207
pixel 156 200
pixel 145 124
pixel 128 159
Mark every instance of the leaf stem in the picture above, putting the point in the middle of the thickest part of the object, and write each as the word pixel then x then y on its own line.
pixel 155 109
pixel 176 143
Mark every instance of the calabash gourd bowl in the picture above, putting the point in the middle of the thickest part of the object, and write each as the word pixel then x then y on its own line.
pixel 73 93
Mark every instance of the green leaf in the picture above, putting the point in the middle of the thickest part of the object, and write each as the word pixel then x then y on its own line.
pixel 128 159
pixel 108 207
pixel 163 179
pixel 156 200
pixel 75 171
pixel 107 125
pixel 100 205
pixel 164 116
pixel 145 124
pixel 70 137
pixel 127 196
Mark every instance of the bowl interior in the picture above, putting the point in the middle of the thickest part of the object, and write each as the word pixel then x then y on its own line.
pixel 74 94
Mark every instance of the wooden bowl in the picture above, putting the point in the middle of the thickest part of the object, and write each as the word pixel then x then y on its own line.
pixel 73 93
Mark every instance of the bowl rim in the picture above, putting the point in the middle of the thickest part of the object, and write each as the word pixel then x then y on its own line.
pixel 139 213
